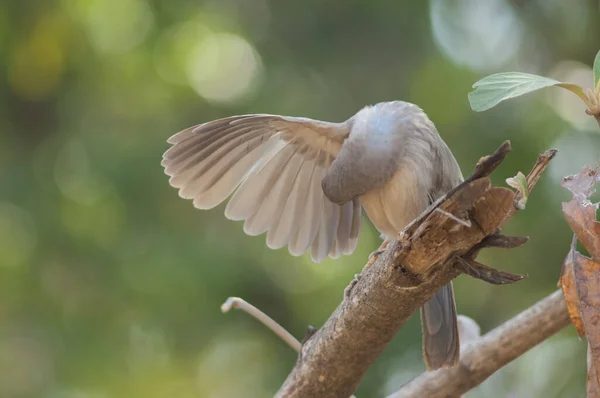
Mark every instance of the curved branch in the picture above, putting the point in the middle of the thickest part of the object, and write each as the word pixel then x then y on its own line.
pixel 492 351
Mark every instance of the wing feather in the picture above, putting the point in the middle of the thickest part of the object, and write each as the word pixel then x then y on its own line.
pixel 329 219
pixel 355 230
pixel 272 203
pixel 283 222
pixel 295 208
pixel 248 199
pixel 272 167
pixel 311 219
pixel 345 226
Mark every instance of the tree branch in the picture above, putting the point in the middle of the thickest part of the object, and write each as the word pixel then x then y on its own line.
pixel 492 351
pixel 412 269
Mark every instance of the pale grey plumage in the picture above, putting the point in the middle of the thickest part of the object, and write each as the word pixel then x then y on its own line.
pixel 303 182
pixel 277 164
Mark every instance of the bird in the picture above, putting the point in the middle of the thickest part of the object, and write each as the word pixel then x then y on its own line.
pixel 305 183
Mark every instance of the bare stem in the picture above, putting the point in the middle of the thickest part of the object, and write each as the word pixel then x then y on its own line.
pixel 491 352
pixel 238 303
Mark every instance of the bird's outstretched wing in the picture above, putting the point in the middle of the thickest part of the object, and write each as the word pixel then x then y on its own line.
pixel 275 165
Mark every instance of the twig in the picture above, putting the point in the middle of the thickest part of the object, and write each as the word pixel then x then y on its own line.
pixel 238 303
pixel 492 351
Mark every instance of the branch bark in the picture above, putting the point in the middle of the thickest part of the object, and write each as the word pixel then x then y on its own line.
pixel 492 351
pixel 412 269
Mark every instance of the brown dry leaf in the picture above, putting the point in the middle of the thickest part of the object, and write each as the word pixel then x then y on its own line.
pixel 580 283
pixel 587 281
pixel 582 220
pixel 580 213
pixel 580 276
pixel 569 289
pixel 582 184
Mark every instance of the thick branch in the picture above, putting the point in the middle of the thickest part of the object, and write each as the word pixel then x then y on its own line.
pixel 412 269
pixel 492 351
pixel 333 361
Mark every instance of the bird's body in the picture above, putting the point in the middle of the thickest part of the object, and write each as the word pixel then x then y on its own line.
pixel 410 164
pixel 304 182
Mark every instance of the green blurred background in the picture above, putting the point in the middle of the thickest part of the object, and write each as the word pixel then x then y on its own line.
pixel 110 284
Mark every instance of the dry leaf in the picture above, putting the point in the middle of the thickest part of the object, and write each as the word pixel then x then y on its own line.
pixel 580 276
pixel 580 213
pixel 569 289
pixel 587 281
pixel 582 184
pixel 582 220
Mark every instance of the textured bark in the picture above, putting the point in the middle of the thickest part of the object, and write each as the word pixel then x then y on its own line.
pixel 412 269
pixel 333 360
pixel 492 351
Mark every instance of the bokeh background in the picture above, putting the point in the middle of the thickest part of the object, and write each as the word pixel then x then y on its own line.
pixel 110 284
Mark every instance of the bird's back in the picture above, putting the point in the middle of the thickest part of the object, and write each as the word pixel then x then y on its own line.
pixel 395 161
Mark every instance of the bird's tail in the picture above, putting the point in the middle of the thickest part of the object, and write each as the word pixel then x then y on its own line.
pixel 441 346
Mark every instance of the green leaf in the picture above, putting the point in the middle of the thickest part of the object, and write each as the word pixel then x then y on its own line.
pixel 520 183
pixel 597 70
pixel 492 90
